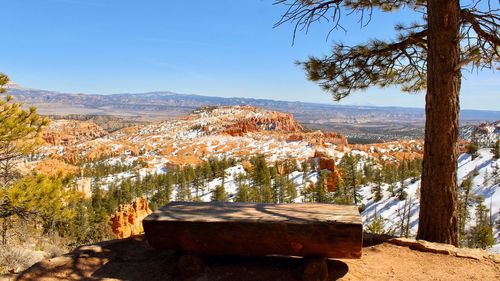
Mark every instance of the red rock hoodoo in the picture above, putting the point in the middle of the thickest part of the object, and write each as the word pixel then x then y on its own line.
pixel 275 121
pixel 69 132
pixel 327 163
pixel 127 221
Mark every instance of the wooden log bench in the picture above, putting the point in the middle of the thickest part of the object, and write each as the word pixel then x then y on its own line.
pixel 311 230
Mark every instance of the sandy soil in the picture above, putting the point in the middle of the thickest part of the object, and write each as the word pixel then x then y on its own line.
pixel 133 259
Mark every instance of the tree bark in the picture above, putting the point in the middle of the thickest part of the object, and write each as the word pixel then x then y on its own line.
pixel 439 199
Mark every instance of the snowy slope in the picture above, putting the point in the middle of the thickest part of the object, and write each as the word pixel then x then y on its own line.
pixel 391 208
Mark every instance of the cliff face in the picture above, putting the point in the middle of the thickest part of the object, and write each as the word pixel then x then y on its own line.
pixel 272 121
pixel 327 163
pixel 238 131
pixel 69 132
pixel 127 221
pixel 319 138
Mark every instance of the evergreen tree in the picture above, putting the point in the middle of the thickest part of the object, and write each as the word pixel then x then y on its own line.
pixel 472 149
pixel 220 194
pixel 183 192
pixel 402 180
pixel 243 193
pixel 320 195
pixel 376 226
pixel 496 149
pixel 495 174
pixel 291 190
pixel 486 178
pixel 261 179
pixel 349 167
pixel 378 185
pixel 305 175
pixel 481 235
pixel 19 134
pixel 464 204
pixel 368 172
pixel 428 54
pixel 44 198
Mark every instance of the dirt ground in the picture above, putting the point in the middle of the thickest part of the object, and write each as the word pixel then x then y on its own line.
pixel 134 259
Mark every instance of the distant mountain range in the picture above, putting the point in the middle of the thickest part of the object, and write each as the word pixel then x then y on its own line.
pixel 161 102
pixel 374 122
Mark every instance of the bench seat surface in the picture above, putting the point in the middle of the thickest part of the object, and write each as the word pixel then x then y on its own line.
pixel 309 229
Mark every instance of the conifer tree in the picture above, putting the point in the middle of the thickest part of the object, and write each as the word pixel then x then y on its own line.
pixel 320 195
pixel 243 193
pixel 481 235
pixel 19 133
pixel 378 185
pixel 495 174
pixel 291 190
pixel 349 167
pixel 402 180
pixel 305 171
pixel 220 194
pixel 472 149
pixel 183 191
pixel 464 202
pixel 496 149
pixel 428 54
pixel 261 179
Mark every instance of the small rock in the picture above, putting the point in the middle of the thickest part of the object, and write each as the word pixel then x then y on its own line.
pixel 91 248
pixel 494 257
pixel 425 246
pixel 471 253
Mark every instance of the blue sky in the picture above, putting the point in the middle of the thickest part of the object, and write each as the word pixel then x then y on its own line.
pixel 218 48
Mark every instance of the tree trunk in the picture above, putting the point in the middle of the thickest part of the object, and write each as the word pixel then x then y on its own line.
pixel 439 198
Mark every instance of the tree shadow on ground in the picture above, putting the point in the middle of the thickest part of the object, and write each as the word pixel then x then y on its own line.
pixel 133 259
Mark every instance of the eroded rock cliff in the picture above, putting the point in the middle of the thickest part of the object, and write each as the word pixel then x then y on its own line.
pixel 127 220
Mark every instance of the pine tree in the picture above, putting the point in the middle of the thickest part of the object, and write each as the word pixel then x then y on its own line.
pixel 305 176
pixel 496 149
pixel 428 54
pixel 486 178
pixel 261 179
pixel 368 172
pixel 19 133
pixel 183 191
pixel 350 173
pixel 378 185
pixel 243 193
pixel 481 235
pixel 464 202
pixel 291 190
pixel 402 180
pixel 495 174
pixel 472 149
pixel 320 195
pixel 45 198
pixel 220 194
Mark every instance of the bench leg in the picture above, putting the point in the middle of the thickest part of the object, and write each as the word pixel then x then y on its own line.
pixel 190 264
pixel 315 269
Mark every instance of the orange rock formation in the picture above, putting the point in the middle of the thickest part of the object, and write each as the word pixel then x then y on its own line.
pixel 68 132
pixel 319 138
pixel 327 163
pixel 127 221
pixel 275 121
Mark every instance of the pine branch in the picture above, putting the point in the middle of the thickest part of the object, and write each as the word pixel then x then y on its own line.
pixel 375 63
pixel 480 34
pixel 303 13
